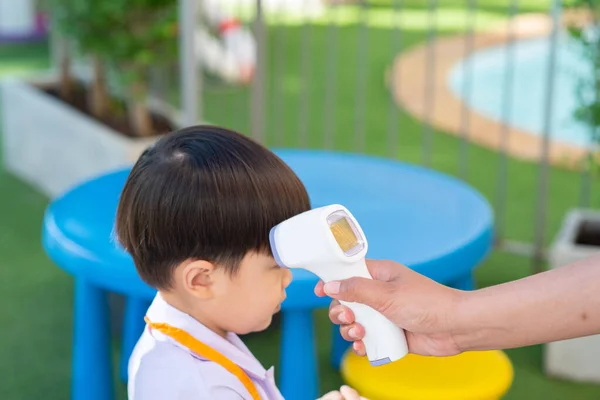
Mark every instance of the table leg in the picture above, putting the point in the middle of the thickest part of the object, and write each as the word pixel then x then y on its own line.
pixel 465 283
pixel 299 378
pixel 338 347
pixel 92 365
pixel 133 326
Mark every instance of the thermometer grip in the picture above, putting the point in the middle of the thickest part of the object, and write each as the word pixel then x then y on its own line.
pixel 384 341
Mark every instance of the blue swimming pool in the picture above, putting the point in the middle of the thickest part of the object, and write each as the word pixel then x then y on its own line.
pixel 529 86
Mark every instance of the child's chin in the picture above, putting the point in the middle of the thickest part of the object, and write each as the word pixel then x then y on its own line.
pixel 265 325
pixel 259 328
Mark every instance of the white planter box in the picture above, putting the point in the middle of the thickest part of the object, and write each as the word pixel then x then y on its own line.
pixel 53 146
pixel 574 359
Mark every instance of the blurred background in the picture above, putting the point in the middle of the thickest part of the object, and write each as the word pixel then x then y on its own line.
pixel 501 94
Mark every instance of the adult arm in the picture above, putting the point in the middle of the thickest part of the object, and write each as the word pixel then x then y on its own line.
pixel 558 304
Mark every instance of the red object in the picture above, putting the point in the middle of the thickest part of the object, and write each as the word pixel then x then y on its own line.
pixel 228 24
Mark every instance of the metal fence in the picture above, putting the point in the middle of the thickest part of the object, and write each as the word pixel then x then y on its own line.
pixel 324 61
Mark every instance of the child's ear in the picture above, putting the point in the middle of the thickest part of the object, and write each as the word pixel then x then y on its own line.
pixel 198 278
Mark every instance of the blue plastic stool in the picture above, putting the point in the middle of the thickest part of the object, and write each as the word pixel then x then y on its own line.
pixel 431 222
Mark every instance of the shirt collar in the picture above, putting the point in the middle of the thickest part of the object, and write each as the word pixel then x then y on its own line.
pixel 233 348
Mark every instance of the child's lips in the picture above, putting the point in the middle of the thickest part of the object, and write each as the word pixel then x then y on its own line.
pixel 279 305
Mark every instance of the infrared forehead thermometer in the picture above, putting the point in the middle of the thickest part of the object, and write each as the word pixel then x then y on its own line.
pixel 329 242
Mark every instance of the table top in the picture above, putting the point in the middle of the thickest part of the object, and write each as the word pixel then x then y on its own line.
pixel 434 223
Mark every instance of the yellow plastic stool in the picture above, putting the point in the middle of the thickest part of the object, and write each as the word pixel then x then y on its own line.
pixel 485 375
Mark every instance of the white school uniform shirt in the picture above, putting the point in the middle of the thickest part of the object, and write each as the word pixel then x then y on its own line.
pixel 162 369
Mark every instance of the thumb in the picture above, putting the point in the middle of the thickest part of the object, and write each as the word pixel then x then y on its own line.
pixel 384 270
pixel 370 292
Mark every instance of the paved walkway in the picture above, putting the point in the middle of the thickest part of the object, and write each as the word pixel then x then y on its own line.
pixel 410 71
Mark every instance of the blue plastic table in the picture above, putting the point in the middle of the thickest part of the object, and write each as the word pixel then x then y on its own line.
pixel 431 222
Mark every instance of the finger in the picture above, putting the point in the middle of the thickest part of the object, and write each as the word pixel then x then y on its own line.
pixel 344 332
pixel 319 289
pixel 334 303
pixel 359 348
pixel 333 395
pixel 340 315
pixel 352 332
pixel 348 393
pixel 371 292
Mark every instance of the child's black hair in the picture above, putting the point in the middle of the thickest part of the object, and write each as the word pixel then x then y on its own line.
pixel 207 193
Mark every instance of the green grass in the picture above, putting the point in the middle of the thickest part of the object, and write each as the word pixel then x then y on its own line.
pixel 286 118
pixel 37 296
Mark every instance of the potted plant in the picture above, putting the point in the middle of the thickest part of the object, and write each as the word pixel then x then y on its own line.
pixel 66 126
pixel 579 236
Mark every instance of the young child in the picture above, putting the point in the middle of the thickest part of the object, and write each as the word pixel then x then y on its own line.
pixel 195 215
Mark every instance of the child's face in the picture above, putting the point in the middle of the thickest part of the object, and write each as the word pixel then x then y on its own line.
pixel 242 303
pixel 247 301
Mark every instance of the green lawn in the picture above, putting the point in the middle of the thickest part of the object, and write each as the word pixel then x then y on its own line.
pixel 37 296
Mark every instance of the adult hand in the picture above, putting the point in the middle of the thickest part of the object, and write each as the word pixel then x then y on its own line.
pixel 415 303
pixel 345 393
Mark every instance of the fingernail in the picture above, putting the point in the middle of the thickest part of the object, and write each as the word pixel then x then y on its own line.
pixel 332 287
pixel 352 332
pixel 343 318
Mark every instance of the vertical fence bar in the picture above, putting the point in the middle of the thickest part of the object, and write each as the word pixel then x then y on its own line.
pixel 427 132
pixel 159 83
pixel 257 98
pixel 361 78
pixel 586 182
pixel 239 104
pixel 330 82
pixel 55 42
pixel 279 53
pixel 541 204
pixel 587 172
pixel 506 108
pixel 467 75
pixel 191 78
pixel 392 123
pixel 305 60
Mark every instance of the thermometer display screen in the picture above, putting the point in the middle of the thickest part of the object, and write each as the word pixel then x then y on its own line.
pixel 345 235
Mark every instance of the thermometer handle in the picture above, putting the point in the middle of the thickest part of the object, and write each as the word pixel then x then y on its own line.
pixel 384 341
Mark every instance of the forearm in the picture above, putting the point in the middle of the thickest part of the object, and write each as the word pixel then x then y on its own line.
pixel 559 304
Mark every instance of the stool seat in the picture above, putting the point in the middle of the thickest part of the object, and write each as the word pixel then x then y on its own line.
pixel 484 375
